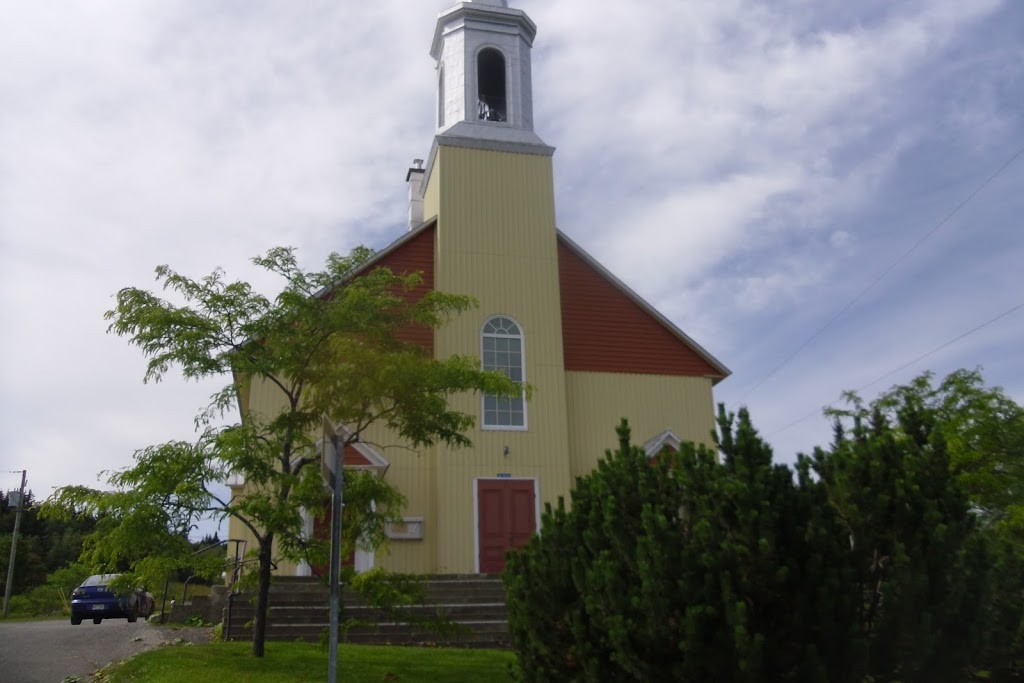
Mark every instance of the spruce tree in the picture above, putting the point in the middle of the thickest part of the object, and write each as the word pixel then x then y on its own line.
pixel 916 557
pixel 689 566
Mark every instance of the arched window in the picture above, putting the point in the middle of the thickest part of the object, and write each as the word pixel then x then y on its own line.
pixel 490 85
pixel 440 98
pixel 501 345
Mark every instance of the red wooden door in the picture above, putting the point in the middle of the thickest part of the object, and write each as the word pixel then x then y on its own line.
pixel 507 518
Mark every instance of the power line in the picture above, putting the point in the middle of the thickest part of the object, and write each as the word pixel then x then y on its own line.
pixel 939 348
pixel 906 365
pixel 880 277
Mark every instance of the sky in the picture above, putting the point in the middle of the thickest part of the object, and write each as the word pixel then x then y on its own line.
pixel 824 195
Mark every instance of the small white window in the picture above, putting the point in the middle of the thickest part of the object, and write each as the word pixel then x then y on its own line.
pixel 501 345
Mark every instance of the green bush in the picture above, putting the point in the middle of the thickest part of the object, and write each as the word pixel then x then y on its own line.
pixel 42 601
pixel 29 568
pixel 19 606
pixel 53 597
pixel 683 568
pixel 864 564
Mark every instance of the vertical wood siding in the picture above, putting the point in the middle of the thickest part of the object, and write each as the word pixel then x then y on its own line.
pixel 431 196
pixel 262 400
pixel 496 240
pixel 411 471
pixel 606 331
pixel 415 256
pixel 651 403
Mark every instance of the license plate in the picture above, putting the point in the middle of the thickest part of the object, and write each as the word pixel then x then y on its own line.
pixel 97 607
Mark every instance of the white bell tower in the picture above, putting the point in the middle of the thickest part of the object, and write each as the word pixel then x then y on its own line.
pixel 484 85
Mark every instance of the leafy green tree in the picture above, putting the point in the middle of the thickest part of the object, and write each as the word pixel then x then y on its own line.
pixel 29 568
pixel 331 343
pixel 63 547
pixel 904 449
pixel 59 540
pixel 982 427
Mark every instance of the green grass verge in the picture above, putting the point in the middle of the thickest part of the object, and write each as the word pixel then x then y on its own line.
pixel 301 662
pixel 24 617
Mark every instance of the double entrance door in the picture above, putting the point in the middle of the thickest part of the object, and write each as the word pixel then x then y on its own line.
pixel 506 518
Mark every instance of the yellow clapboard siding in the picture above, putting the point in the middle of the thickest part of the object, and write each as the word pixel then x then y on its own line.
pixel 262 400
pixel 431 197
pixel 651 403
pixel 496 241
pixel 411 471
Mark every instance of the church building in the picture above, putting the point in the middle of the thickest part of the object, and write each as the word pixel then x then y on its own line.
pixel 482 222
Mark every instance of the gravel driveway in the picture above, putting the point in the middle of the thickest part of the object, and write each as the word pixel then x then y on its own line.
pixel 50 651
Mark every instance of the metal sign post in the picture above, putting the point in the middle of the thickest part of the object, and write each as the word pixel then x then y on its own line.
pixel 14 544
pixel 332 460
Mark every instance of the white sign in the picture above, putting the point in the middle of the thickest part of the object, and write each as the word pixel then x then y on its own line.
pixel 409 529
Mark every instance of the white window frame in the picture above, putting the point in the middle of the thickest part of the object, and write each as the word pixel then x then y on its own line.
pixel 522 354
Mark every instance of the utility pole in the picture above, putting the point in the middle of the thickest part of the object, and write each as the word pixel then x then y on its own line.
pixel 14 544
pixel 337 450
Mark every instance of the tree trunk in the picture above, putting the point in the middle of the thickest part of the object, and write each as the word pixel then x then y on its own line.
pixel 259 627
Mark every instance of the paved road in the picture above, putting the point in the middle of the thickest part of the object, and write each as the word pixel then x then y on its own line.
pixel 49 651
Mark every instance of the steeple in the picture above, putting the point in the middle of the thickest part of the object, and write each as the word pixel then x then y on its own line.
pixel 484 85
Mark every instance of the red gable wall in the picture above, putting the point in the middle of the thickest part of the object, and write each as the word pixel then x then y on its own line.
pixel 416 255
pixel 603 330
pixel 354 458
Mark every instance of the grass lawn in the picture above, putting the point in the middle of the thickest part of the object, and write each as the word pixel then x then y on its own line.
pixel 286 662
pixel 27 617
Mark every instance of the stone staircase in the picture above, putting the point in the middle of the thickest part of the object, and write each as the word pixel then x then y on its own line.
pixel 473 604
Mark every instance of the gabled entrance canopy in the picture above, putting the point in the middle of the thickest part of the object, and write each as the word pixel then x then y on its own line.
pixel 359 455
pixel 667 439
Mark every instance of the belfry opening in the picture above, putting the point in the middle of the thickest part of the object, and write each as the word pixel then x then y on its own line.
pixel 490 75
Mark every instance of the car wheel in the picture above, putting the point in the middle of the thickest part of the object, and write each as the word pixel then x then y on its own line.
pixel 75 621
pixel 96 620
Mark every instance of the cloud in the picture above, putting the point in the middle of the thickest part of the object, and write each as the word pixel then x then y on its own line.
pixel 739 126
pixel 747 167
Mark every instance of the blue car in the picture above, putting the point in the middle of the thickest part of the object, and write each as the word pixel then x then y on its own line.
pixel 93 600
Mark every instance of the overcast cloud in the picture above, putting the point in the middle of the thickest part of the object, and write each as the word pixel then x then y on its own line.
pixel 749 168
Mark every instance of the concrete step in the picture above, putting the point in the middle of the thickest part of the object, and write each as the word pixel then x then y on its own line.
pixel 430 590
pixel 299 609
pixel 351 599
pixel 321 614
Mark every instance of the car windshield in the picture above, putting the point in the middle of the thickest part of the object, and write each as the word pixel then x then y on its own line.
pixel 99 579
